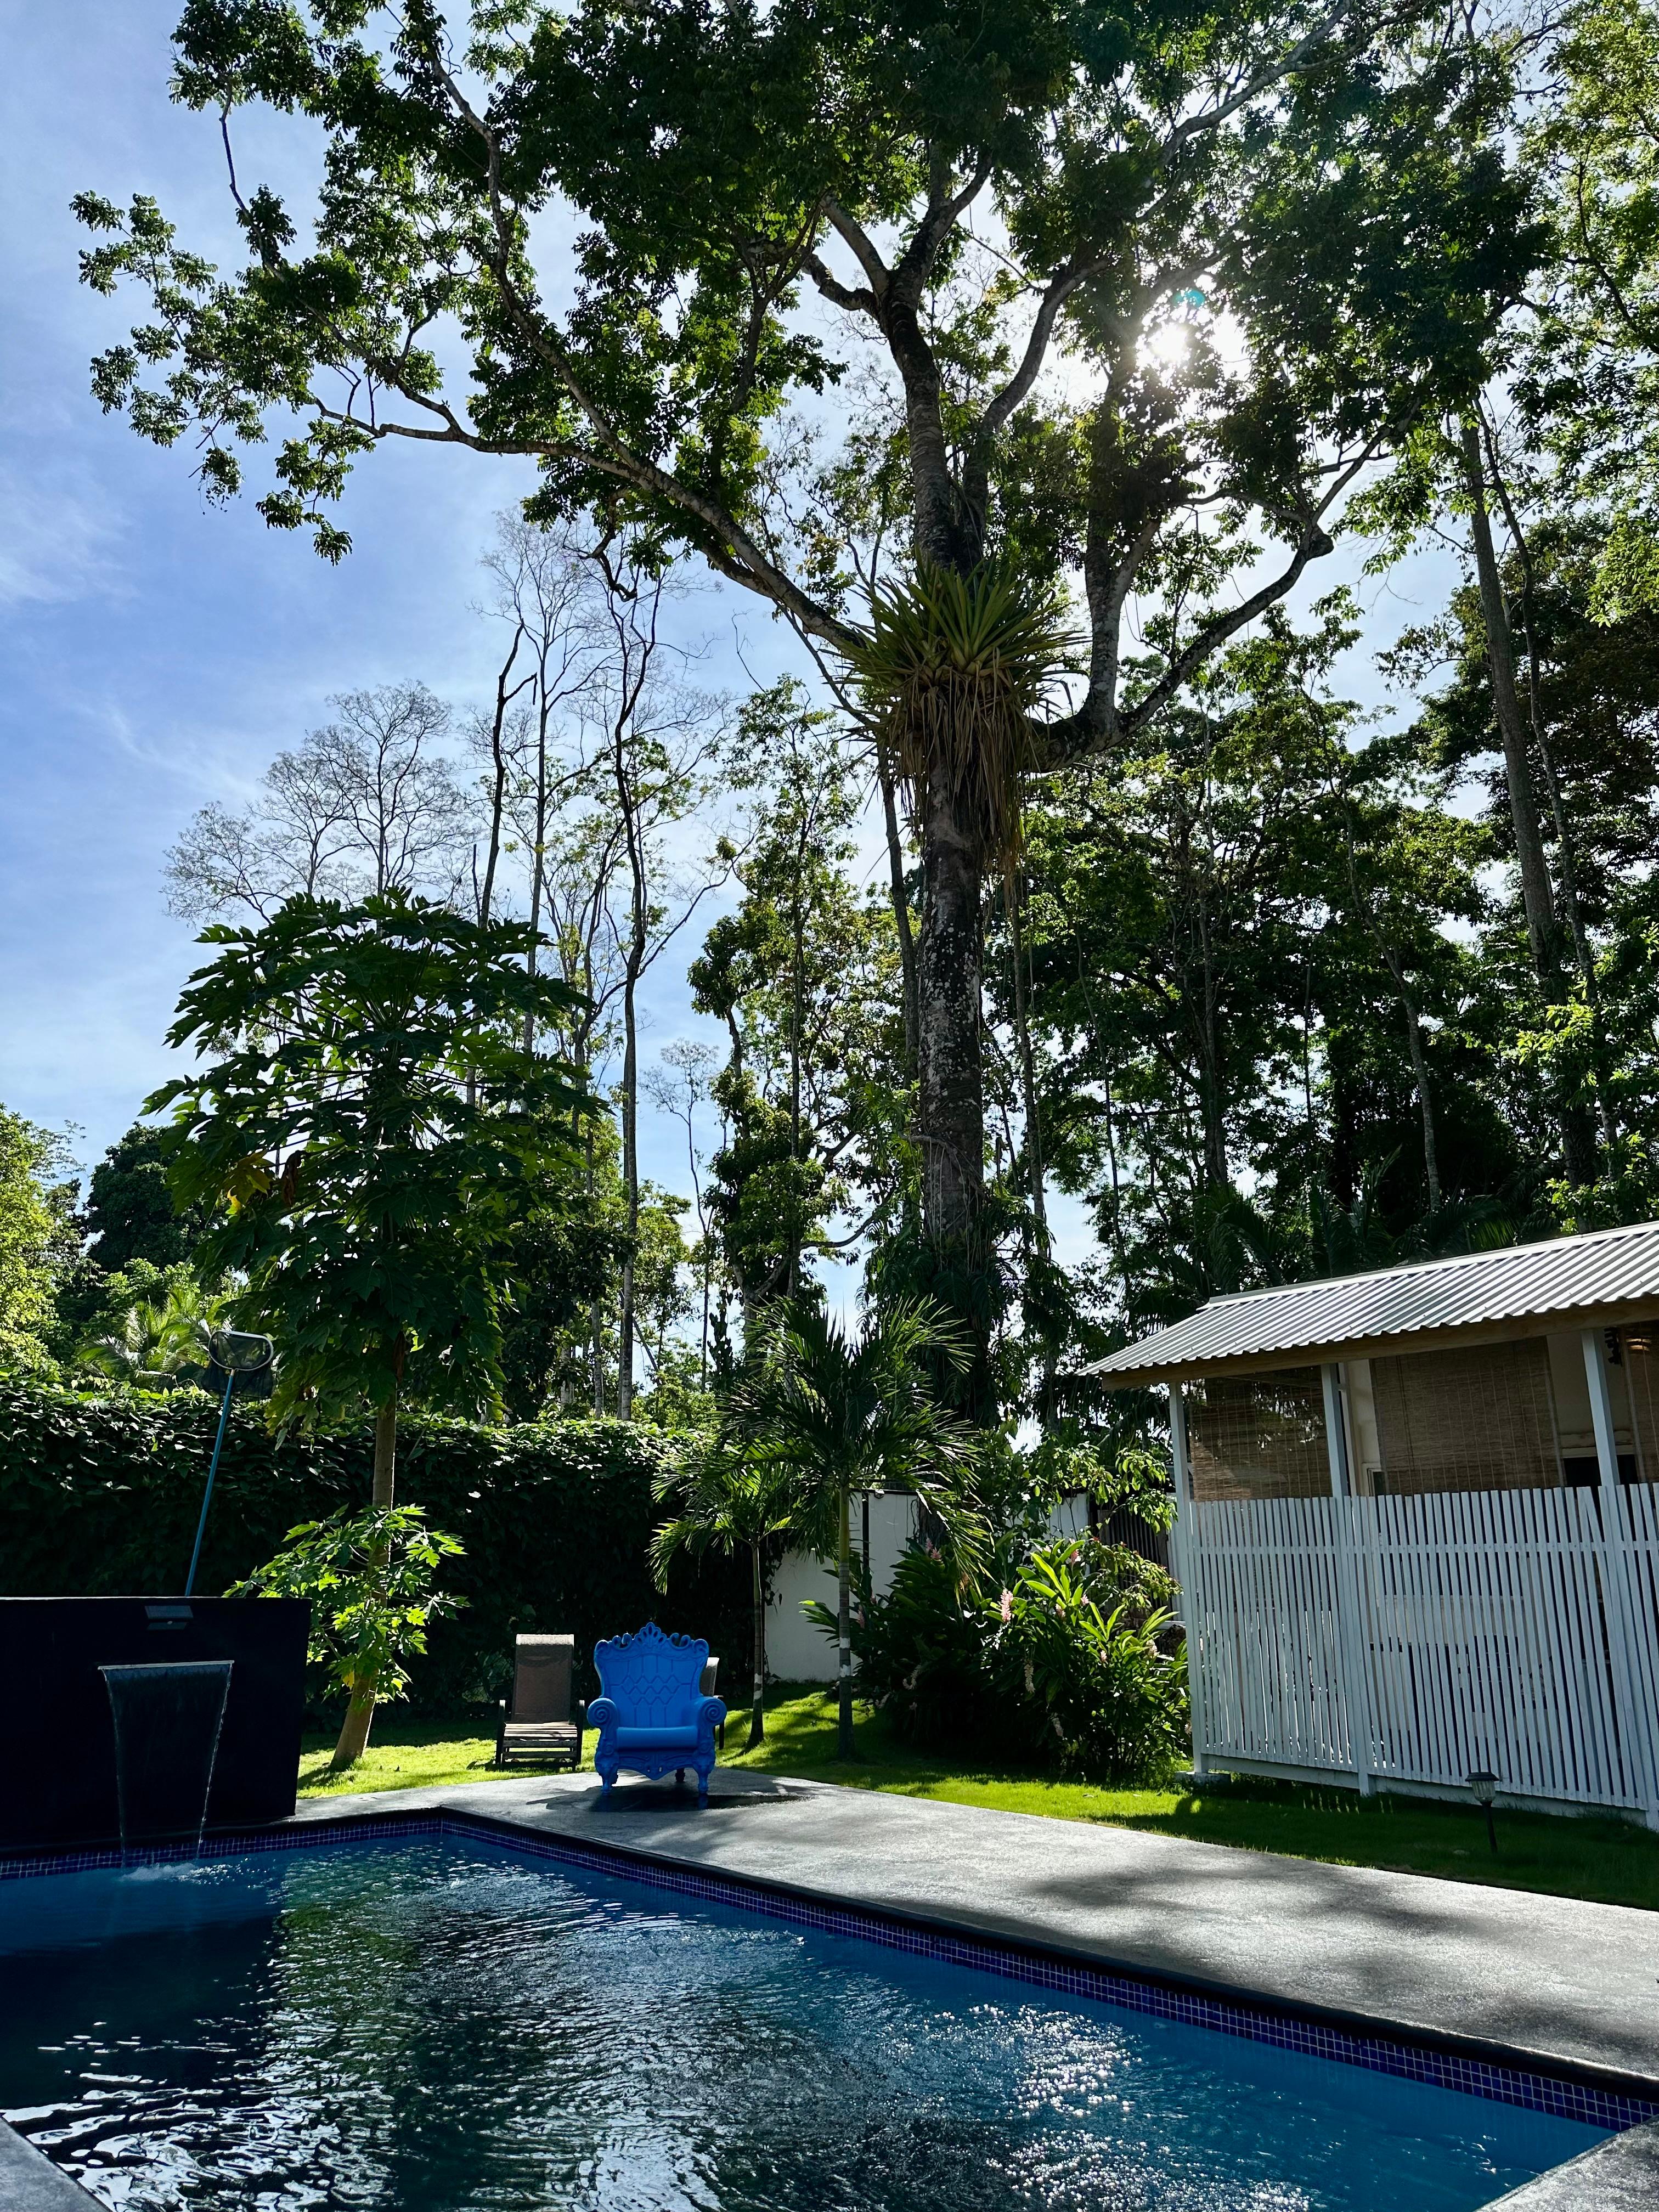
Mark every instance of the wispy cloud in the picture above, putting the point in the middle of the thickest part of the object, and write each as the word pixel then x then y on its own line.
pixel 58 541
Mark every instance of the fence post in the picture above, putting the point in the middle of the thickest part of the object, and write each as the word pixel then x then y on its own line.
pixel 1186 1550
pixel 1634 1725
pixel 1355 1650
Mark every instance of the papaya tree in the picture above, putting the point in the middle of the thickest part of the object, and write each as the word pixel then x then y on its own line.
pixel 368 1133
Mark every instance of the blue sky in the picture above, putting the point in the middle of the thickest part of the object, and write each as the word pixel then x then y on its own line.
pixel 154 652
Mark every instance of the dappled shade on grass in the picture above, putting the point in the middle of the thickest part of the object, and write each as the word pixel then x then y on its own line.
pixel 1610 1860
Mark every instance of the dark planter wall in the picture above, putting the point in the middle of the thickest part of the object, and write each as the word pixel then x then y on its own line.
pixel 102 1496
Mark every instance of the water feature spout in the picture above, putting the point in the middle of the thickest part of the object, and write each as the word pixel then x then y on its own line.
pixel 168 1719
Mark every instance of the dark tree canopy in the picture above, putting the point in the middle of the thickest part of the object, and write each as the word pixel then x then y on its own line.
pixel 130 1213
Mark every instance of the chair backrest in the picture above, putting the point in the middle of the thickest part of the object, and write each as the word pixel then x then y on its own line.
pixel 711 1674
pixel 541 1681
pixel 652 1678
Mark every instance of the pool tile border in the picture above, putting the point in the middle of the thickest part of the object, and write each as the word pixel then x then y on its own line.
pixel 1562 2095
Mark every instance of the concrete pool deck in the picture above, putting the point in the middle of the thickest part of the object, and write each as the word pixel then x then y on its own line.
pixel 1531 1981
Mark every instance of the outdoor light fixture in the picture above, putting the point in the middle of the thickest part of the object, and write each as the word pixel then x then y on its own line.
pixel 1640 1339
pixel 237 1354
pixel 1484 1787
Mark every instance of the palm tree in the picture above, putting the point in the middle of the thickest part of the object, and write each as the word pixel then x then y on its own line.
pixel 157 1341
pixel 833 1411
pixel 734 1501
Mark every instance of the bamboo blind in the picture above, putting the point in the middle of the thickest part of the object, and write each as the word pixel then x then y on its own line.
pixel 1259 1436
pixel 1478 1419
pixel 1641 1356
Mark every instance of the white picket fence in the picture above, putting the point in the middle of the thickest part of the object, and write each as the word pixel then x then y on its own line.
pixel 1417 1640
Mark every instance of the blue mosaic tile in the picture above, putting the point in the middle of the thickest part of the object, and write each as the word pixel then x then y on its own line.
pixel 1259 2022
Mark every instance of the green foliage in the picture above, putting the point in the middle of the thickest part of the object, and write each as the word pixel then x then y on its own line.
pixel 1072 1664
pixel 955 671
pixel 803 973
pixel 379 1134
pixel 833 1412
pixel 35 1239
pixel 129 1215
pixel 369 1577
pixel 724 1497
pixel 1111 1697
pixel 102 1496
pixel 155 1341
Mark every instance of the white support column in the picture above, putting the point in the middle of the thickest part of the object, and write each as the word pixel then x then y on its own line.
pixel 1635 1725
pixel 1352 1643
pixel 1184 1553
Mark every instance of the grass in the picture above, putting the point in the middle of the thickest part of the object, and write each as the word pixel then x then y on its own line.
pixel 1611 1862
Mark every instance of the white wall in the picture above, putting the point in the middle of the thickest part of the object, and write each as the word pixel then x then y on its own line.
pixel 796 1652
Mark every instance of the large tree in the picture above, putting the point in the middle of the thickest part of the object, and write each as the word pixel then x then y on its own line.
pixel 1148 289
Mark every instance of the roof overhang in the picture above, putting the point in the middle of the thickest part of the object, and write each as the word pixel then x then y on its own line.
pixel 1609 1279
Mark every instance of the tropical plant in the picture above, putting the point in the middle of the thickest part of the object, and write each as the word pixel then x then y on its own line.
pixel 832 1411
pixel 1075 1662
pixel 1109 1687
pixel 954 672
pixel 369 1580
pixel 156 1341
pixel 736 1501
pixel 368 1113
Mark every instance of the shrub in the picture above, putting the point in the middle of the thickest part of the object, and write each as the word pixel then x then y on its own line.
pixel 1075 1664
pixel 101 1496
pixel 1100 1684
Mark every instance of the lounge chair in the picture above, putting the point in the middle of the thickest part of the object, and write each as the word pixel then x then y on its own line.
pixel 538 1724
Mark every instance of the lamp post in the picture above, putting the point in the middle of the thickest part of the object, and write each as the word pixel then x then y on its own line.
pixel 1484 1786
pixel 238 1355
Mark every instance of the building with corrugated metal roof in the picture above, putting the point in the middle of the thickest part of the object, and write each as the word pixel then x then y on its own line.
pixel 1416 1526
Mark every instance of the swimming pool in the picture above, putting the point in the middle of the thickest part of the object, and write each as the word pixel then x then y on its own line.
pixel 430 2025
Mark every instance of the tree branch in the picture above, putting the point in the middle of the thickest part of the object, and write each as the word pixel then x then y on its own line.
pixel 856 300
pixel 862 246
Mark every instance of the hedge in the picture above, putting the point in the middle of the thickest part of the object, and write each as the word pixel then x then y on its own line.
pixel 100 1496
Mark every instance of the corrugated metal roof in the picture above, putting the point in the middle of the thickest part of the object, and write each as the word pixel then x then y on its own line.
pixel 1608 1269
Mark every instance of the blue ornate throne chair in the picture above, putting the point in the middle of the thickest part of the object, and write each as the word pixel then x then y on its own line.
pixel 651 1715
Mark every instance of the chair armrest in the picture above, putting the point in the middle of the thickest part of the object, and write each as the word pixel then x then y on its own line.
pixel 710 1712
pixel 603 1713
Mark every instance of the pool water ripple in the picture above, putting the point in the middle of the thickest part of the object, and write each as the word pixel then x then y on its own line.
pixel 437 2026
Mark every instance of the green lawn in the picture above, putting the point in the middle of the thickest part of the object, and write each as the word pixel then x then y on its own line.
pixel 1612 1861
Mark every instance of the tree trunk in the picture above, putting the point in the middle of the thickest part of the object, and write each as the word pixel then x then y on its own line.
pixel 951 1112
pixel 639 924
pixel 595 1312
pixel 631 1198
pixel 1027 1068
pixel 758 1712
pixel 360 1713
pixel 844 1626
pixel 1567 854
pixel 1537 896
pixel 385 1454
pixel 906 943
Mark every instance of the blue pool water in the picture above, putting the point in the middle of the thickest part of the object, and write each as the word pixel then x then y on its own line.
pixel 439 2025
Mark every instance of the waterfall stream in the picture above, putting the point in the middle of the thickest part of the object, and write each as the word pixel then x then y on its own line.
pixel 168 1719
